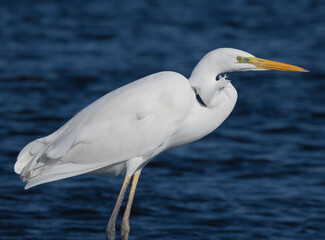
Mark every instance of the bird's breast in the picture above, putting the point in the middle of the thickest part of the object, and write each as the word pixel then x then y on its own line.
pixel 202 120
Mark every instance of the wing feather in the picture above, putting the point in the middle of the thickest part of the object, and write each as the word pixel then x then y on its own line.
pixel 129 122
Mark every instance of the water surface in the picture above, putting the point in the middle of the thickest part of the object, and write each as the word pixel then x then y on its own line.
pixel 261 175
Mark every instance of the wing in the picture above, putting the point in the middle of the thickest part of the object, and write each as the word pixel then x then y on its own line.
pixel 129 122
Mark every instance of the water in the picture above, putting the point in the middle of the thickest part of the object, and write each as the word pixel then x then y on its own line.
pixel 259 176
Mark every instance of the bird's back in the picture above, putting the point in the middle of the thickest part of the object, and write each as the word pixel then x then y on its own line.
pixel 129 122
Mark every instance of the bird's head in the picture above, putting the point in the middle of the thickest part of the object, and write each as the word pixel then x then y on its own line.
pixel 230 60
pixel 224 60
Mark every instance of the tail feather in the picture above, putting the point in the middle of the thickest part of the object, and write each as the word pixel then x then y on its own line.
pixel 28 153
pixel 36 167
pixel 61 171
pixel 43 155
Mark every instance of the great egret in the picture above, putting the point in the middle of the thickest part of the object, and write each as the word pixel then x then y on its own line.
pixel 122 131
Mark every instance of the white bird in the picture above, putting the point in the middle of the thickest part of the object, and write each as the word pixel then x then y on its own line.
pixel 122 131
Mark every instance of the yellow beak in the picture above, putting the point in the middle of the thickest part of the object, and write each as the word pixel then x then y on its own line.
pixel 272 65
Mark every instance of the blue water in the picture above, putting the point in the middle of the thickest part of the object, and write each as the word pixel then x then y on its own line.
pixel 261 175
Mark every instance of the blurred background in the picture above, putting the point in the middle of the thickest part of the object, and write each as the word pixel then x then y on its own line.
pixel 261 175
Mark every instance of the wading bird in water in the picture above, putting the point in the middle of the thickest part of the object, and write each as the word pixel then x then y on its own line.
pixel 122 131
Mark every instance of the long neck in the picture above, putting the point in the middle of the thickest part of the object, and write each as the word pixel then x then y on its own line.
pixel 219 97
pixel 203 79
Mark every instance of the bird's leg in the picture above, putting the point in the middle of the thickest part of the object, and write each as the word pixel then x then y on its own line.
pixel 110 229
pixel 125 227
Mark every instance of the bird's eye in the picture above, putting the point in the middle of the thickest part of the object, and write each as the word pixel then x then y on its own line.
pixel 239 59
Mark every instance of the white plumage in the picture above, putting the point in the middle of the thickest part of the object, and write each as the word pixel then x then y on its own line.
pixel 140 119
pixel 122 131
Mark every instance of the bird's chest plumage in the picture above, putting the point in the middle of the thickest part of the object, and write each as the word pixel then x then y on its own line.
pixel 202 120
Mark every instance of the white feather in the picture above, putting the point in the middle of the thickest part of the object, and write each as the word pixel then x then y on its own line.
pixel 120 132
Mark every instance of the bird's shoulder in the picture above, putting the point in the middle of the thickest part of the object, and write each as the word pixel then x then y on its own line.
pixel 157 82
pixel 159 90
